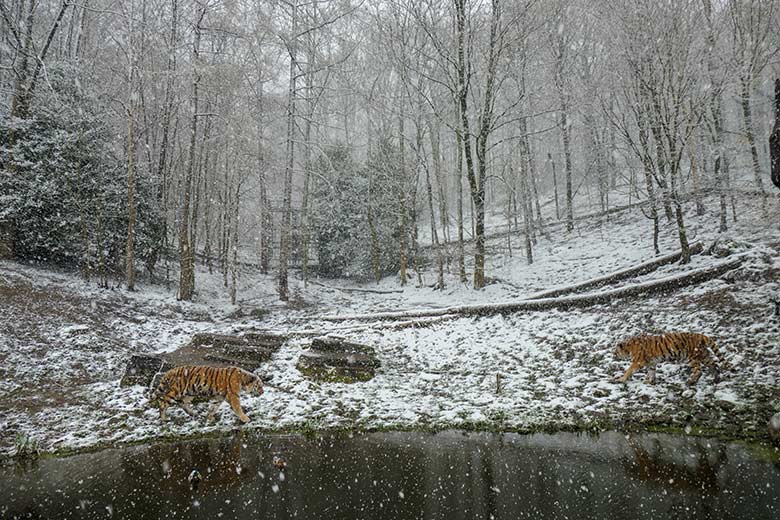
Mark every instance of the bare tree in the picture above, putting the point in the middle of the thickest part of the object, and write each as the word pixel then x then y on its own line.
pixel 753 26
pixel 186 253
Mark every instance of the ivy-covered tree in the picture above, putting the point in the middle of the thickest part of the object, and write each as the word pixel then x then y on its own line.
pixel 62 187
pixel 353 220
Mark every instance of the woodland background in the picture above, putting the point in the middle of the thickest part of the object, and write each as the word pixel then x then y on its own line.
pixel 358 139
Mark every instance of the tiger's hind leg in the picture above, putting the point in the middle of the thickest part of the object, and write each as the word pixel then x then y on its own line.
pixel 650 377
pixel 164 404
pixel 213 410
pixel 713 366
pixel 235 404
pixel 695 372
pixel 185 404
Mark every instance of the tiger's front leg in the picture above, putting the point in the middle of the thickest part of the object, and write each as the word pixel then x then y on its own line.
pixel 165 402
pixel 650 377
pixel 235 404
pixel 633 368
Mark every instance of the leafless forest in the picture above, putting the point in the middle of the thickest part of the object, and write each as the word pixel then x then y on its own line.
pixel 352 138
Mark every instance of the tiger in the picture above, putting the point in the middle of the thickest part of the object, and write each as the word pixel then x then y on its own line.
pixel 647 350
pixel 181 384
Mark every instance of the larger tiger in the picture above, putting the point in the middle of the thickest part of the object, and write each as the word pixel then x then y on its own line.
pixel 647 350
pixel 183 383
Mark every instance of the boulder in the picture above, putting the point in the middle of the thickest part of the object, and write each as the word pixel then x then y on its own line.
pixel 774 427
pixel 335 360
pixel 726 246
pixel 141 369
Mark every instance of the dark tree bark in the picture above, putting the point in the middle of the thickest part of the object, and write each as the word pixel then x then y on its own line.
pixel 186 255
pixel 286 231
pixel 774 139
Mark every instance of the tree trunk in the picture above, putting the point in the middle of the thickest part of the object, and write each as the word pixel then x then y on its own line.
pixel 373 233
pixel 286 231
pixel 234 262
pixel 23 93
pixel 555 187
pixel 747 117
pixel 527 214
pixel 477 178
pixel 130 244
pixel 434 233
pixel 459 169
pixel 774 139
pixel 721 177
pixel 567 157
pixel 186 255
pixel 304 221
pixel 266 221
pixel 444 220
pixel 695 179
pixel 160 232
pixel 659 286
pixel 674 174
pixel 647 163
pixel 401 201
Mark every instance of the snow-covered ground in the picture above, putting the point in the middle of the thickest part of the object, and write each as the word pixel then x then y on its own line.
pixel 64 344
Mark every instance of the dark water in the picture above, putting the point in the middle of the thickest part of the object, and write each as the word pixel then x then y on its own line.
pixel 450 475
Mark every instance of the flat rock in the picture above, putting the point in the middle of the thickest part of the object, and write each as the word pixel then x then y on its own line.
pixel 268 341
pixel 334 360
pixel 337 345
pixel 141 369
pixel 248 351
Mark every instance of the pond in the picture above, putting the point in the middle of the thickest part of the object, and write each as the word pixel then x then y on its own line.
pixel 448 475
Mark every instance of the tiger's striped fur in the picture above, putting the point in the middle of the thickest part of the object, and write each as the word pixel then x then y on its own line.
pixel 181 384
pixel 646 350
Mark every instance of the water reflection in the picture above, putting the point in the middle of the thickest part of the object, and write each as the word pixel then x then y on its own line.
pixel 450 475
pixel 674 469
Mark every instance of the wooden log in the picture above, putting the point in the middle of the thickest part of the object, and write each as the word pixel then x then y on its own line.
pixel 357 289
pixel 623 274
pixel 562 303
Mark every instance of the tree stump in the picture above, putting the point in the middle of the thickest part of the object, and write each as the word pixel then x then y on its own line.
pixel 337 361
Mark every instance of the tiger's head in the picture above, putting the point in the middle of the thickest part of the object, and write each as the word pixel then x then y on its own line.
pixel 623 349
pixel 252 384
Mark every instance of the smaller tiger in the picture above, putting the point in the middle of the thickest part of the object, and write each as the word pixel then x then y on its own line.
pixel 647 350
pixel 181 384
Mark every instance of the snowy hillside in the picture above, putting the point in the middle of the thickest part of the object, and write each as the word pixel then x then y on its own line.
pixel 64 344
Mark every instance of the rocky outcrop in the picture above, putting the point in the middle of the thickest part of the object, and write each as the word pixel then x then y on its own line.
pixel 247 351
pixel 336 360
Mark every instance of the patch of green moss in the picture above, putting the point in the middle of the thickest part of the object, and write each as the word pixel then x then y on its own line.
pixel 763 451
pixel 336 375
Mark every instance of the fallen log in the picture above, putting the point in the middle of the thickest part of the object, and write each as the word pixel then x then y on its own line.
pixel 357 289
pixel 630 272
pixel 562 303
